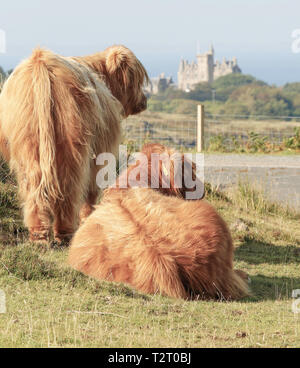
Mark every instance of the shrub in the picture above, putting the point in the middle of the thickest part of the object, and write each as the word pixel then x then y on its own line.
pixel 262 100
pixel 294 141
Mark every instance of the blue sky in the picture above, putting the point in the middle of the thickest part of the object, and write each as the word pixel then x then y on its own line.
pixel 257 32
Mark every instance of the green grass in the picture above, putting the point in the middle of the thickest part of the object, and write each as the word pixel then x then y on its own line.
pixel 50 305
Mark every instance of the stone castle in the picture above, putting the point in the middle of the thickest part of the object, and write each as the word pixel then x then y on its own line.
pixel 204 70
pixel 159 84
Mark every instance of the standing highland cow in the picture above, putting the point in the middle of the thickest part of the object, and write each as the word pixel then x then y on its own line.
pixel 56 115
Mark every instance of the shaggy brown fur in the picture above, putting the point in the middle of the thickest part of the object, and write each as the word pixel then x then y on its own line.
pixel 57 114
pixel 163 172
pixel 158 244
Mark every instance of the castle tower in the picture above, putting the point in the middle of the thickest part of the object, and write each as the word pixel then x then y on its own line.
pixel 181 66
pixel 205 68
pixel 180 75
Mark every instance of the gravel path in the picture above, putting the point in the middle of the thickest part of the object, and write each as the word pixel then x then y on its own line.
pixel 277 176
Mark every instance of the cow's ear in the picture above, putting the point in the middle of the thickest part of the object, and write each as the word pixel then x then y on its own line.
pixel 117 64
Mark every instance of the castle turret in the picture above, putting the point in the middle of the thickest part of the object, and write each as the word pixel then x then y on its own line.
pixel 181 66
pixel 180 74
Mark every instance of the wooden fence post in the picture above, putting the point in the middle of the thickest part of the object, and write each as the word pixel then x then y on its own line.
pixel 200 128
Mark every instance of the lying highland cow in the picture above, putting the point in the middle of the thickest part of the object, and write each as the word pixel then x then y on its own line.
pixel 158 243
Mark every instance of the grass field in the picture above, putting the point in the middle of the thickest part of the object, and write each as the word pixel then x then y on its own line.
pixel 50 305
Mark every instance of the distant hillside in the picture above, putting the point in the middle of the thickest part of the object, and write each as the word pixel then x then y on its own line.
pixel 235 94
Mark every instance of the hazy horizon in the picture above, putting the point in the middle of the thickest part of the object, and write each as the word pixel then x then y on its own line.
pixel 160 33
